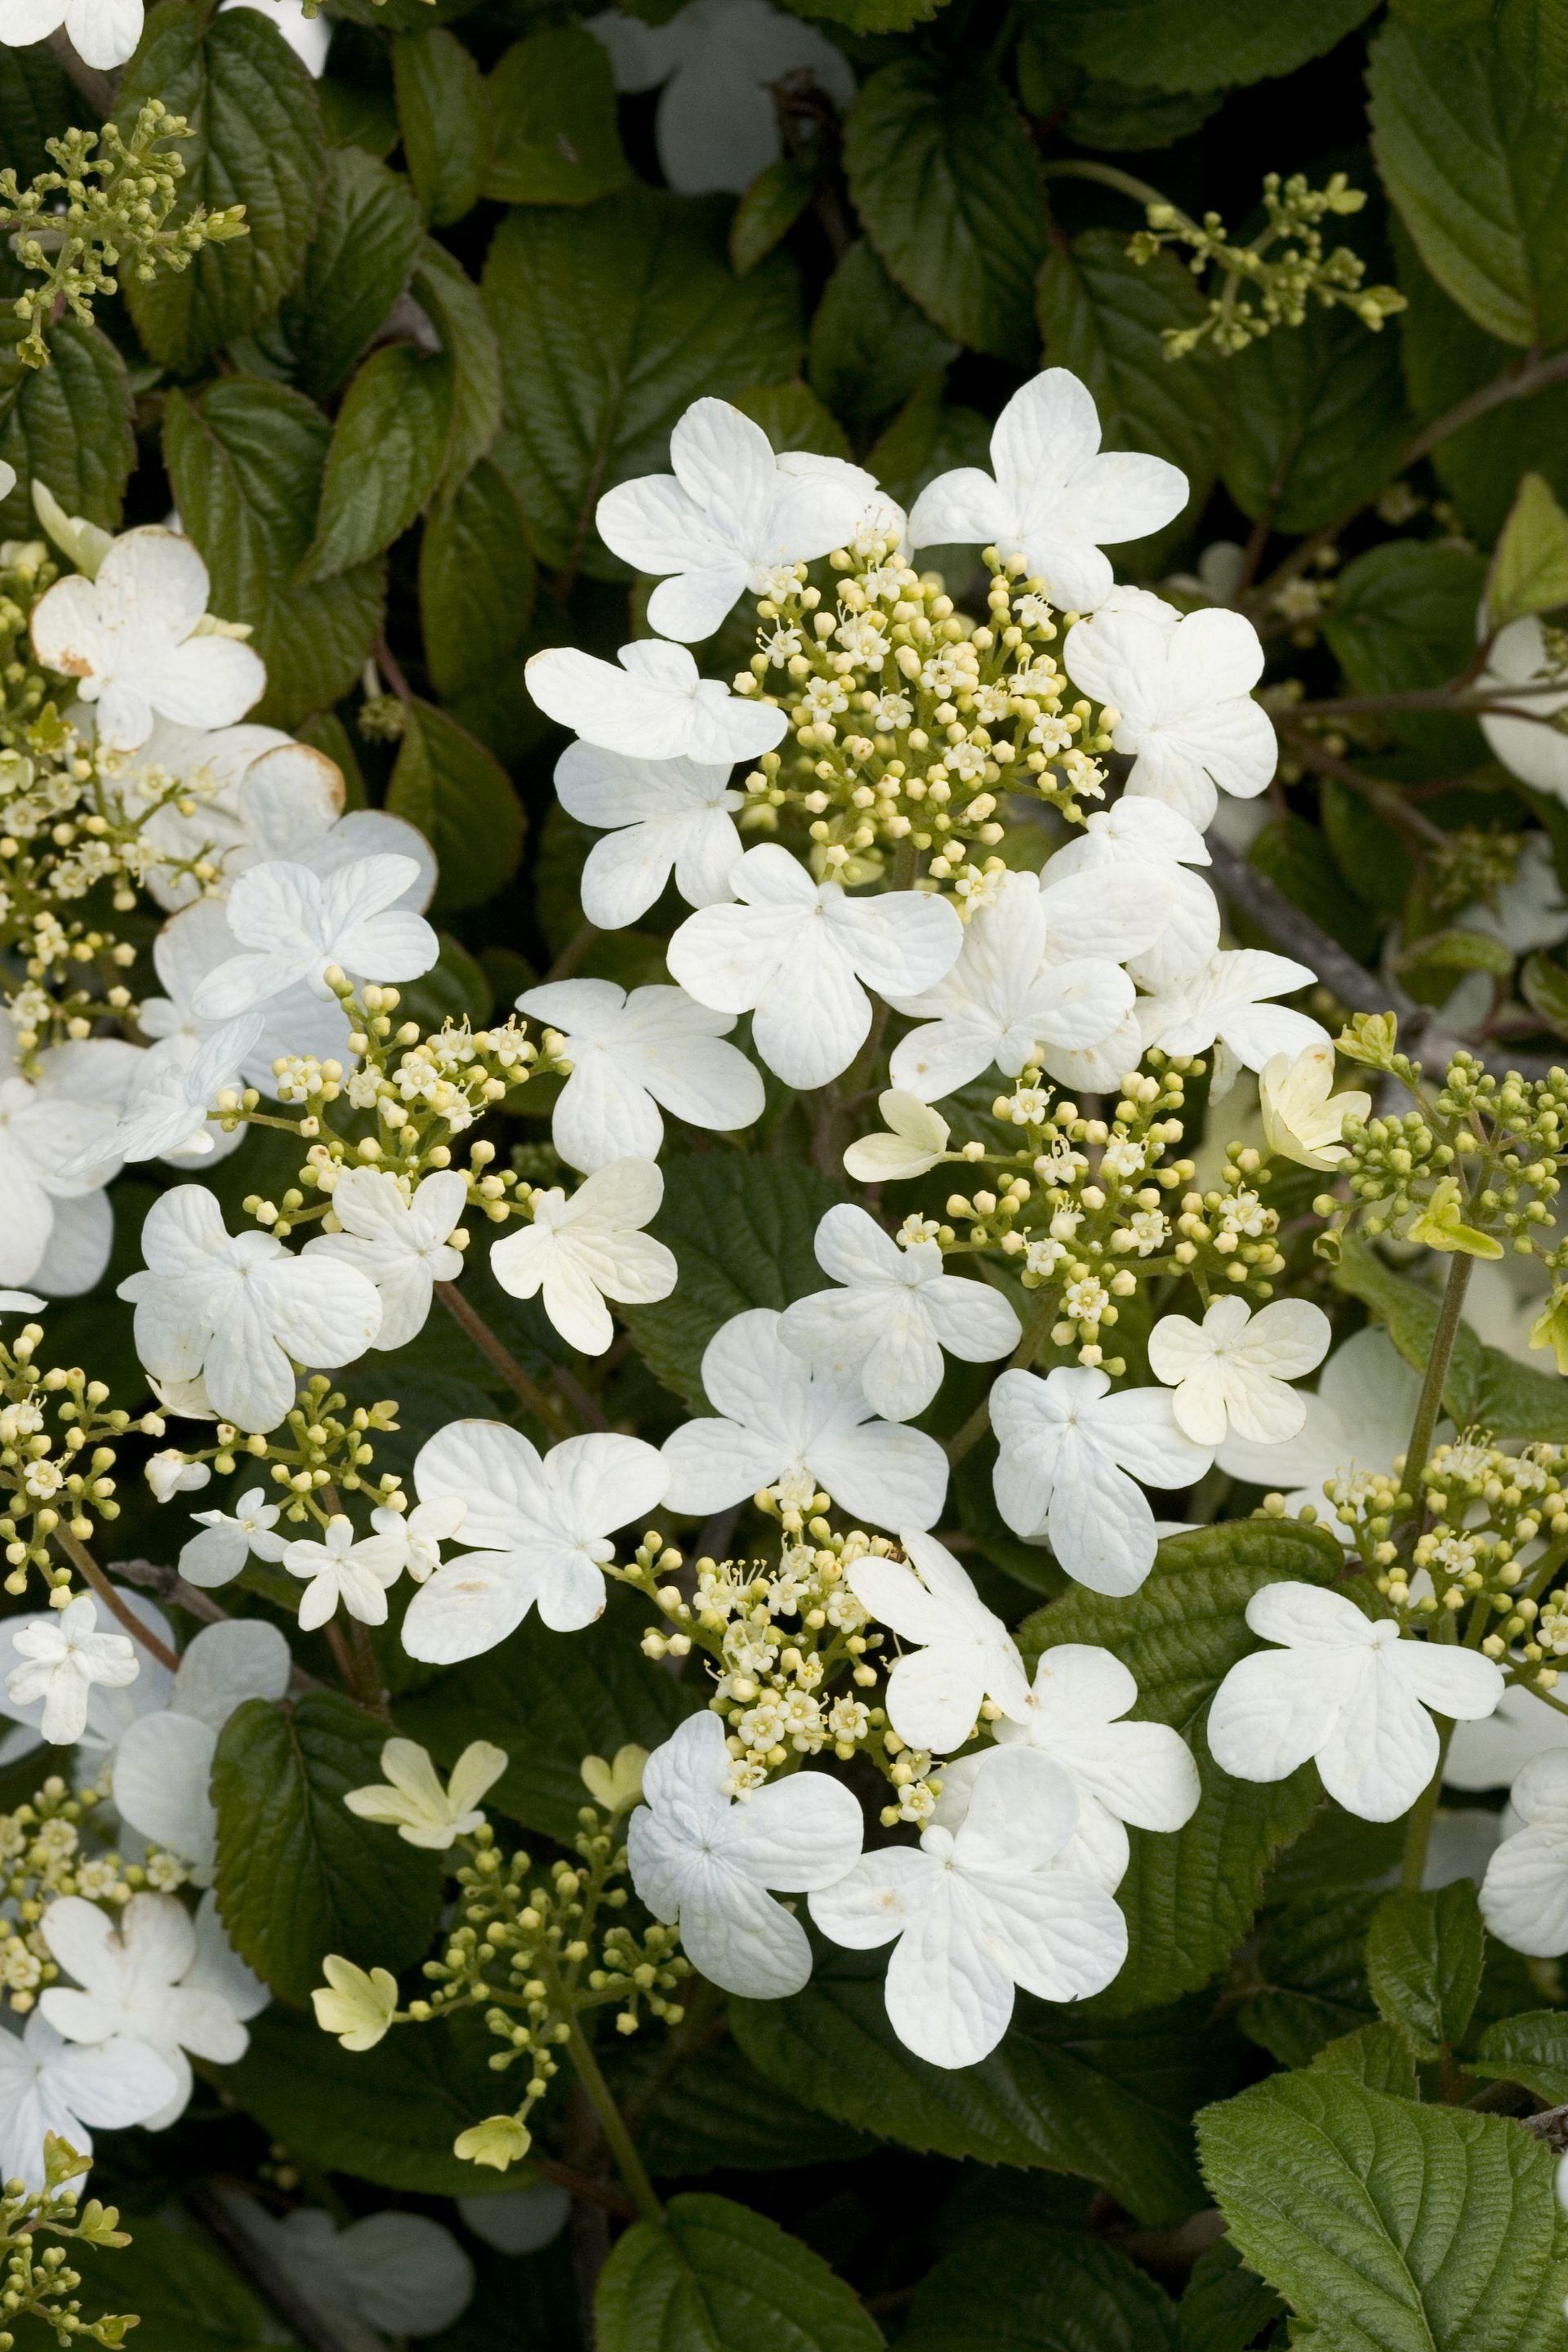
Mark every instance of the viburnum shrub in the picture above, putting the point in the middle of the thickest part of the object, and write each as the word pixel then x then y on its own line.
pixel 783 918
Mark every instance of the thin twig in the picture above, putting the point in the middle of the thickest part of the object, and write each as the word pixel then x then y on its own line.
pixel 1386 799
pixel 538 1401
pixel 167 1584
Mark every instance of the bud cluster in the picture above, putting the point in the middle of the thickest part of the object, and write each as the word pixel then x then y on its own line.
pixel 42 2285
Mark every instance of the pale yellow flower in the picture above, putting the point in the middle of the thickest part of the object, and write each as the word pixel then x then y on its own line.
pixel 499 2141
pixel 1302 1121
pixel 616 1788
pixel 917 1141
pixel 424 1812
pixel 357 2007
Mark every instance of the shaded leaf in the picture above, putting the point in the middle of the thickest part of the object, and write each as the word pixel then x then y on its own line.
pixel 445 121
pixel 476 580
pixel 553 134
pixel 461 799
pixel 67 424
pixel 368 233
pixel 719 2278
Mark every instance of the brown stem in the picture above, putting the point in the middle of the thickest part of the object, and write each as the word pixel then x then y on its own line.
pixel 538 1401
pixel 367 1684
pixel 168 1584
pixel 1389 802
pixel 82 1560
pixel 390 668
pixel 573 953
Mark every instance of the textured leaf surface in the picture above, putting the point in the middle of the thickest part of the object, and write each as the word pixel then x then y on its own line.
pixel 444 119
pixel 1102 316
pixel 384 460
pixel 1531 2049
pixel 1314 421
pixel 368 233
pixel 1039 2292
pixel 719 2278
pixel 555 139
pixel 1198 45
pixel 461 799
pixel 476 580
pixel 67 424
pixel 1424 1954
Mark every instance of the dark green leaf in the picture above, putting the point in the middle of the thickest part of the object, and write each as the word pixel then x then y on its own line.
pixel 246 461
pixel 186 2296
pixel 1043 2292
pixel 869 16
pixel 449 294
pixel 794 418
pixel 1314 421
pixel 1186 45
pixel 476 582
pixel 1226 2307
pixel 255 140
pixel 768 211
pixel 1515 1402
pixel 1312 1978
pixel 1102 316
pixel 1424 1953
pixel 1376 2055
pixel 610 322
pixel 719 2278
pixel 715 2113
pixel 67 424
pixel 368 232
pixel 385 456
pixel 1544 988
pixel 1299 862
pixel 461 799
pixel 946 185
pixel 871 347
pixel 1408 1311
pixel 554 135
pixel 1455 951
pixel 1404 616
pixel 1121 116
pixel 298 1874
pixel 1531 2049
pixel 928 438
pixel 445 122
pixel 358 113
pixel 36 102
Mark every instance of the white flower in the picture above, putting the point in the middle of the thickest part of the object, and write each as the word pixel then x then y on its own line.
pixel 1056 498
pixel 298 926
pixel 169 1474
pixel 1019 985
pixel 1348 1691
pixel 103 33
pixel 720 61
pixel 795 952
pixel 915 1140
pixel 338 1567
pixel 163 1765
pixel 157 1977
pixel 521 2221
pixel 58 1229
pixel 131 638
pixel 309 38
pixel 236 1310
pixel 403 1247
pixel 111 1707
pixel 1071 1455
pixel 64 1654
pixel 1225 1000
pixel 979 1907
pixel 192 945
pixel 671 816
pixel 1131 839
pixel 418 1535
pixel 227 1540
pixel 414 1801
pixel 1230 1371
pixel 785 1420
pixel 725 520
pixel 583 1250
pixel 698 1856
pixel 1529 746
pixel 1182 689
pixel 1524 1895
pixel 896 1313
pixel 384 2278
pixel 1358 1421
pixel 540 1528
pixel 166 1118
pixel 1493 1753
pixel 654 707
pixel 963 1654
pixel 629 1055
pixel 1302 1119
pixel 47 2085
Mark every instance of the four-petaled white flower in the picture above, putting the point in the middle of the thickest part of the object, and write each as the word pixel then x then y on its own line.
pixel 1056 498
pixel 417 1536
pixel 298 926
pixel 1225 1001
pixel 1232 1370
pixel 666 817
pixel 1356 1423
pixel 1182 689
pixel 963 1653
pixel 784 1418
pixel 131 638
pixel 1524 1894
pixel 412 1801
pixel 726 518
pixel 229 1538
pixel 539 1527
pixel 630 1055
pixel 235 1309
pixel 914 1141
pixel 707 1859
pixel 166 1116
pixel 1346 1690
pixel 192 945
pixel 981 1906
pixel 580 1251
pixel 1137 840
pixel 163 1765
pixel 338 1566
pixel 655 706
pixel 58 1229
pixel 156 1976
pixel 402 1246
pixel 50 2085
pixel 795 952
pixel 111 1707
pixel 1071 1455
pixel 1303 1120
pixel 64 1656
pixel 896 1313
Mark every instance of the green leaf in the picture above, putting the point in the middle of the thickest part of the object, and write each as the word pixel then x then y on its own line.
pixel 1297 860
pixel 716 2114
pixel 1455 951
pixel 444 119
pixel 1544 988
pixel 1515 1402
pixel 1530 2049
pixel 461 799
pixel 1102 316
pixel 37 103
pixel 869 16
pixel 476 582
pixel 246 461
pixel 1044 2292
pixel 385 456
pixel 1408 1312
pixel 1197 45
pixel 741 1230
pixel 610 322
pixel 871 347
pixel 1066 2090
pixel 1190 1897
pixel 67 424
pixel 794 418
pixel 1530 570
pixel 1389 2227
pixel 1314 421
pixel 946 185
pixel 550 1699
pixel 1121 116
pixel 255 140
pixel 1404 616
pixel 1376 2056
pixel 452 299
pixel 553 134
pixel 358 112
pixel 768 211
pixel 1480 173
pixel 719 2278
pixel 1226 2307
pixel 184 2295
pixel 1312 1979
pixel 298 1874
pixel 368 233
pixel 1424 1954
pixel 927 437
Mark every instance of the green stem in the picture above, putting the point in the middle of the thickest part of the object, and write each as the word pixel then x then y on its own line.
pixel 1418 1831
pixel 1429 1401
pixel 1023 1355
pixel 618 2139
pixel 1107 176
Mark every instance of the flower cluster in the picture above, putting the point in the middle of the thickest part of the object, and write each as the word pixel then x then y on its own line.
pixel 42 2284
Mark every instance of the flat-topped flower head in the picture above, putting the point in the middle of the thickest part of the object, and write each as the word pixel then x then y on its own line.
pixel 298 926
pixel 63 1655
pixel 583 1250
pixel 632 1056
pixel 1232 1370
pixel 404 1246
pixel 655 706
pixel 962 1653
pixel 1182 690
pixel 1524 1895
pixel 709 1860
pixel 1303 1119
pixel 130 637
pixel 1056 498
pixel 663 819
pixel 1348 1691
